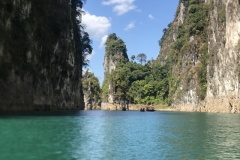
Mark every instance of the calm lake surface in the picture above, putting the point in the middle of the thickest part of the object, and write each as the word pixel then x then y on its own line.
pixel 119 135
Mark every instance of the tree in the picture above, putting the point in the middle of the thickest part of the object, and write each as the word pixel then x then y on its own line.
pixel 86 48
pixel 142 58
pixel 91 89
pixel 111 37
pixel 133 57
pixel 114 46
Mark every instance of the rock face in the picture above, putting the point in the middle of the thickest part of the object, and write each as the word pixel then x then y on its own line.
pixel 109 65
pixel 115 52
pixel 183 48
pixel 224 50
pixel 205 67
pixel 91 91
pixel 40 68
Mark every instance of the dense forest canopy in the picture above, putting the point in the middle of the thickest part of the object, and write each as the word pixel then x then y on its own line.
pixel 158 81
pixel 140 83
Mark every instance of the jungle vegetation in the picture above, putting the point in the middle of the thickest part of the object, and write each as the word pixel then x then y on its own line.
pixel 90 85
pixel 143 81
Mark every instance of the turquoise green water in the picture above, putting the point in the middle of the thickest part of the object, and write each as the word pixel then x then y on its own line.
pixel 89 135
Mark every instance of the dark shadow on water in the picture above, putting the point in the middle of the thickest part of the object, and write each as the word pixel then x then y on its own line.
pixel 42 113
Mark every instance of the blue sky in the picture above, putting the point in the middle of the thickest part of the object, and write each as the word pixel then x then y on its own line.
pixel 139 23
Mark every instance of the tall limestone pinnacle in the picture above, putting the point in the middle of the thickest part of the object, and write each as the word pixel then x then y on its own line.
pixel 115 52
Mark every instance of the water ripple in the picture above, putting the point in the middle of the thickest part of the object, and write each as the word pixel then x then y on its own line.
pixel 120 135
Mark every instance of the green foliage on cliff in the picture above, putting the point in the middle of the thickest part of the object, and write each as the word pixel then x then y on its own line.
pixel 137 83
pixel 86 48
pixel 167 79
pixel 105 90
pixel 202 73
pixel 190 41
pixel 115 45
pixel 91 86
pixel 116 52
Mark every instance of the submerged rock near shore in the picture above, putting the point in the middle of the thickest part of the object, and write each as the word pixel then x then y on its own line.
pixel 40 66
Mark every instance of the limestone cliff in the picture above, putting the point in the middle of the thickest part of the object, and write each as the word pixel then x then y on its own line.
pixel 91 91
pixel 224 52
pixel 115 52
pixel 40 68
pixel 201 47
pixel 184 51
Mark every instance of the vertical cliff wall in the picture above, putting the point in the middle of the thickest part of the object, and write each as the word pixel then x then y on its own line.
pixel 92 91
pixel 224 51
pixel 40 67
pixel 184 52
pixel 115 52
pixel 201 47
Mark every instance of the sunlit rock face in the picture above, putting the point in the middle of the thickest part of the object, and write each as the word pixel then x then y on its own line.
pixel 115 52
pixel 223 62
pixel 110 63
pixel 39 65
pixel 183 68
pixel 224 50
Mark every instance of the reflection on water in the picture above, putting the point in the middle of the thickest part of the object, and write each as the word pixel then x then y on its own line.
pixel 119 135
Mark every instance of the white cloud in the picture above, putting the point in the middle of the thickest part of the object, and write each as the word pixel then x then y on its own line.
pixel 130 26
pixel 103 41
pixel 121 6
pixel 96 26
pixel 151 16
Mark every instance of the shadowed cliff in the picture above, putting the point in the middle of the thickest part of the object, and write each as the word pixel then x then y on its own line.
pixel 40 59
